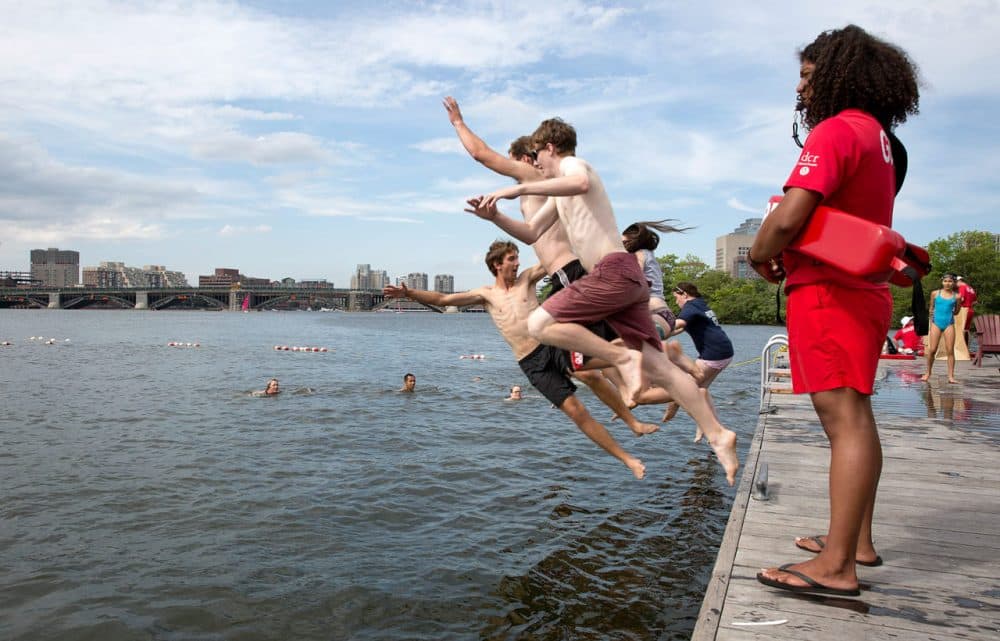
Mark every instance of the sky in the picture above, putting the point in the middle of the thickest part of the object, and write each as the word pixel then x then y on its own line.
pixel 299 139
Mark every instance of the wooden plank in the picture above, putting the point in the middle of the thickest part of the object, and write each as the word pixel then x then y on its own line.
pixel 936 522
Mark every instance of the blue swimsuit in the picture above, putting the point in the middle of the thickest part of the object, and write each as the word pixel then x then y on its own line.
pixel 944 311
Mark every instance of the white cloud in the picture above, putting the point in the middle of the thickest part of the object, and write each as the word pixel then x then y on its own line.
pixel 281 147
pixel 440 146
pixel 738 205
pixel 242 230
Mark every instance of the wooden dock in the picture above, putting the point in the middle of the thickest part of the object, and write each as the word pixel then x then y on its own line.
pixel 937 519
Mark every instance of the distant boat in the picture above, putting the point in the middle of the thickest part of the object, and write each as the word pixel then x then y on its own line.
pixel 246 304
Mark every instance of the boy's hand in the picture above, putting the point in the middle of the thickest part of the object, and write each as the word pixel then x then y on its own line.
pixel 454 113
pixel 394 292
pixel 480 208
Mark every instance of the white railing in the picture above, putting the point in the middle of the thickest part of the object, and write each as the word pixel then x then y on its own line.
pixel 772 369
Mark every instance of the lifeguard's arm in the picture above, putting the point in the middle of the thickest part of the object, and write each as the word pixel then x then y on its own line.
pixel 526 232
pixel 679 326
pixel 958 305
pixel 483 153
pixel 783 224
pixel 458 299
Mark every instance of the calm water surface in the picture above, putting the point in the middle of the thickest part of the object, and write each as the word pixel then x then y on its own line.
pixel 147 495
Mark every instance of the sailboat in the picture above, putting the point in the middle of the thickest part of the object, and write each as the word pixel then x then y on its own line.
pixel 246 304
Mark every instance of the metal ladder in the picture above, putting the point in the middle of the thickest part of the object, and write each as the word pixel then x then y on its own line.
pixel 775 371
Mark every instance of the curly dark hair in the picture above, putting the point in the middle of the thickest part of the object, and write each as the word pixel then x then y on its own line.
pixel 857 70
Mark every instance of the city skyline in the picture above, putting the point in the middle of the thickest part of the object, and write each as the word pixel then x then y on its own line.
pixel 275 137
pixel 118 274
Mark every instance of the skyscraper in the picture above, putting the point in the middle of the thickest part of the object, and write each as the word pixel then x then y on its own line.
pixel 55 268
pixel 731 250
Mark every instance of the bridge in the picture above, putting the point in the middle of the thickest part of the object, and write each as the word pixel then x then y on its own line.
pixel 217 298
pixel 204 298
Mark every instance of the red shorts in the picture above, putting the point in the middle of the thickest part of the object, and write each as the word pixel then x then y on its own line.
pixel 835 336
pixel 616 292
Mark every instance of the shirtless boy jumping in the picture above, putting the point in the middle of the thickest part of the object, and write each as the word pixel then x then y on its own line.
pixel 614 288
pixel 509 301
pixel 552 247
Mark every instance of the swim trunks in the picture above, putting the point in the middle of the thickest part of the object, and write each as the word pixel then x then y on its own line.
pixel 565 275
pixel 616 291
pixel 547 369
pixel 835 335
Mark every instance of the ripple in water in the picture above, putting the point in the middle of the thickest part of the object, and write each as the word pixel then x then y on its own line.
pixel 148 496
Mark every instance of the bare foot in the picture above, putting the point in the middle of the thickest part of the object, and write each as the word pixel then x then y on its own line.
pixel 724 446
pixel 865 555
pixel 614 417
pixel 639 428
pixel 631 373
pixel 671 412
pixel 925 377
pixel 634 464
pixel 698 434
pixel 951 380
pixel 697 373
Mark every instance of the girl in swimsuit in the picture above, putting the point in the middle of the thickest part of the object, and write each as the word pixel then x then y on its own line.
pixel 945 304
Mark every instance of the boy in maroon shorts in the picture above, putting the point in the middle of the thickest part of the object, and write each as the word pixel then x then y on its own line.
pixel 614 288
pixel 853 90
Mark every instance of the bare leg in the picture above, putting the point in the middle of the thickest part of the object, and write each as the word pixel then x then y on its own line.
pixel 949 348
pixel 596 432
pixel 933 338
pixel 682 387
pixel 681 360
pixel 855 466
pixel 578 338
pixel 707 378
pixel 609 395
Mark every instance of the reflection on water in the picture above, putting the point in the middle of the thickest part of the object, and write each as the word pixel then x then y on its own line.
pixel 902 393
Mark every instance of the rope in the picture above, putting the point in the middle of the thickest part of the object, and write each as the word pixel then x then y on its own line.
pixel 752 360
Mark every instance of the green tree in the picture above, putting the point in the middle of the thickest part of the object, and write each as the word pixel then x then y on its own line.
pixel 974 256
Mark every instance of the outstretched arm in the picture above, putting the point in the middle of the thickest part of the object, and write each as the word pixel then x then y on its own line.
pixel 483 153
pixel 459 299
pixel 526 232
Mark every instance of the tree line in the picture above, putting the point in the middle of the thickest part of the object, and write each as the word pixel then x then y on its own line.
pixel 974 255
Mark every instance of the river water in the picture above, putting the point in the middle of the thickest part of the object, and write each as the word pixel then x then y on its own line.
pixel 148 495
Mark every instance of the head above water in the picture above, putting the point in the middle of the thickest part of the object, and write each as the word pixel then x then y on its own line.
pixel 849 68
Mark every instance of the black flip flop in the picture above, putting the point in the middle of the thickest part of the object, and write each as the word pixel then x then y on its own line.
pixel 812 586
pixel 820 544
